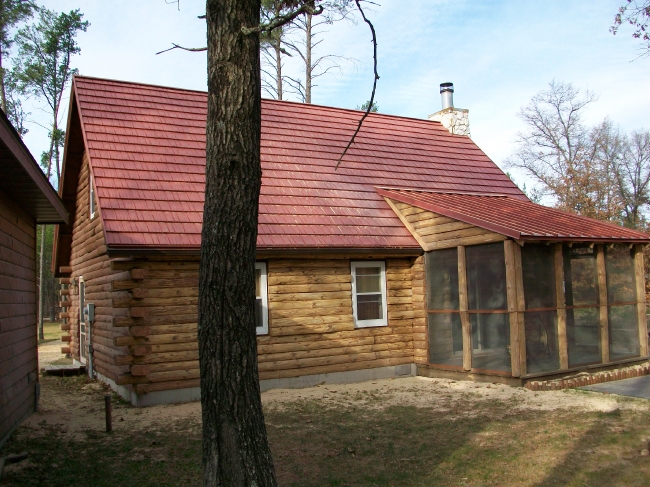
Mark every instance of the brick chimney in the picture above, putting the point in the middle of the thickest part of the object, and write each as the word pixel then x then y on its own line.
pixel 456 120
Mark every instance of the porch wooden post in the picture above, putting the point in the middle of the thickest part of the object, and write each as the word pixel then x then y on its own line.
pixel 511 290
pixel 640 300
pixel 602 301
pixel 463 305
pixel 521 308
pixel 561 308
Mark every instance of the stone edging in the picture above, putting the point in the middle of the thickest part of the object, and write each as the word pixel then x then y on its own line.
pixel 586 379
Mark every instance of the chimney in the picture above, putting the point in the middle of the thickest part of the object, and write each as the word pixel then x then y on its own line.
pixel 456 120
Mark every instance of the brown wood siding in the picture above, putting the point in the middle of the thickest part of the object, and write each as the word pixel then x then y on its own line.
pixel 89 260
pixel 435 231
pixel 18 342
pixel 311 328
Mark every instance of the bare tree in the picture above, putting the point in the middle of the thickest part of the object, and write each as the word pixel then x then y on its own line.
pixel 557 149
pixel 309 30
pixel 607 147
pixel 272 46
pixel 637 14
pixel 633 178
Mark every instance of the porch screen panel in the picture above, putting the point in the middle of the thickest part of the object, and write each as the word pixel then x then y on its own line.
pixel 621 300
pixel 445 331
pixel 540 317
pixel 487 299
pixel 582 315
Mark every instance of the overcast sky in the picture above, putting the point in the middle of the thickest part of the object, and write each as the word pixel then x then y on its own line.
pixel 498 54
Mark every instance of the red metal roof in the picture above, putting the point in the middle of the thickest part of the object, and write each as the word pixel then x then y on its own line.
pixel 516 218
pixel 147 154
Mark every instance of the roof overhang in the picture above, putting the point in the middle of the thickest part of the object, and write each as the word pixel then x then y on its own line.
pixel 269 252
pixel 521 220
pixel 24 182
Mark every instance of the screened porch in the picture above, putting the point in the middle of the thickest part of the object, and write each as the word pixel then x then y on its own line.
pixel 535 308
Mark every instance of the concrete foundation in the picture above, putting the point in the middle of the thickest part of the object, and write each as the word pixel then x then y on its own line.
pixel 194 393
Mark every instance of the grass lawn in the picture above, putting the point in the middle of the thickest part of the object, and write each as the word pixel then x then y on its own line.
pixel 381 434
pixel 51 331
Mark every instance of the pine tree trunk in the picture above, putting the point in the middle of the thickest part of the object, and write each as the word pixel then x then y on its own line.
pixel 41 287
pixel 308 66
pixel 278 64
pixel 3 95
pixel 235 448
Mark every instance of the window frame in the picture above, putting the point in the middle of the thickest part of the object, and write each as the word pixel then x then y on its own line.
pixel 264 329
pixel 91 191
pixel 369 323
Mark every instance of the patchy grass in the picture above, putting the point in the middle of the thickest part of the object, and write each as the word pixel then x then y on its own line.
pixel 51 331
pixel 346 440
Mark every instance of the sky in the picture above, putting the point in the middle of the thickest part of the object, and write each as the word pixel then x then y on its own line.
pixel 498 54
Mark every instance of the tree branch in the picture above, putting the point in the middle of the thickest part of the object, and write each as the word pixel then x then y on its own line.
pixel 282 20
pixel 374 85
pixel 191 49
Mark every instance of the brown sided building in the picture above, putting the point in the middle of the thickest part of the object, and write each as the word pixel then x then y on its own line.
pixel 417 256
pixel 26 198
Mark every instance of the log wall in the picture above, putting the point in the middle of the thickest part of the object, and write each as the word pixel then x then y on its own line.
pixel 89 260
pixel 18 338
pixel 433 231
pixel 311 327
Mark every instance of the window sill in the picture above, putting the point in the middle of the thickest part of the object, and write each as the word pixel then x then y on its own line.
pixel 370 324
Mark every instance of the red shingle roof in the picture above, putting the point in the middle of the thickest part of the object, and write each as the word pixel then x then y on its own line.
pixel 516 218
pixel 147 154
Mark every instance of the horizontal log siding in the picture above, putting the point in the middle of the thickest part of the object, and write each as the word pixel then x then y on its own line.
pixel 311 328
pixel 18 345
pixel 89 260
pixel 435 231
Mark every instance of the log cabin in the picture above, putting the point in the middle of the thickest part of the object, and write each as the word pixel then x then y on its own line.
pixel 26 199
pixel 418 255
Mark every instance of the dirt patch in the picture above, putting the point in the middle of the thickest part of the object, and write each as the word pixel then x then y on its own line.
pixel 424 392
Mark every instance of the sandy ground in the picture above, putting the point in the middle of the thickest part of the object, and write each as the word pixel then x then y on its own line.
pixel 49 352
pixel 80 410
pixel 83 409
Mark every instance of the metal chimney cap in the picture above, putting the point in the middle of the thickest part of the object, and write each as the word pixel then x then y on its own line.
pixel 446 87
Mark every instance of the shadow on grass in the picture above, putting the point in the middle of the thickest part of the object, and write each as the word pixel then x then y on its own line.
pixel 591 462
pixel 314 446
pixel 102 459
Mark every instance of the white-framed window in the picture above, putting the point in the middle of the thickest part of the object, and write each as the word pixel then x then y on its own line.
pixel 369 294
pixel 261 299
pixel 92 197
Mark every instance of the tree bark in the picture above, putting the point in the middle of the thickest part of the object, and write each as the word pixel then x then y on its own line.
pixel 308 66
pixel 3 95
pixel 235 448
pixel 41 290
pixel 278 63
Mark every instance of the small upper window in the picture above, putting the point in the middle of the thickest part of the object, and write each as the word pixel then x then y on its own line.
pixel 369 294
pixel 261 299
pixel 92 197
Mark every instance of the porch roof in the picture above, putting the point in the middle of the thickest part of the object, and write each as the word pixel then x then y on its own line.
pixel 514 217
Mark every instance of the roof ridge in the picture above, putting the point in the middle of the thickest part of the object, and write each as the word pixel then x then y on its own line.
pixel 268 100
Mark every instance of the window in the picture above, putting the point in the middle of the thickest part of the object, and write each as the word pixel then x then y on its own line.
pixel 369 294
pixel 92 197
pixel 445 330
pixel 621 302
pixel 582 314
pixel 488 314
pixel 261 299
